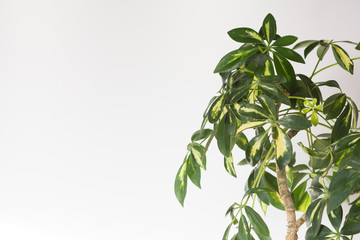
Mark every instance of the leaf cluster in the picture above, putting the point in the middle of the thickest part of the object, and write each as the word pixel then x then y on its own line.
pixel 261 105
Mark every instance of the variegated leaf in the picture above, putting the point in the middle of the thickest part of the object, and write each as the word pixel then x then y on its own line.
pixel 245 35
pixel 248 125
pixel 283 148
pixel 342 58
pixel 229 165
pixel 180 186
pixel 269 27
pixel 215 109
pixel 197 152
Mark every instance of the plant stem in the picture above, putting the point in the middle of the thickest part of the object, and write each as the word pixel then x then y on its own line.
pixel 334 64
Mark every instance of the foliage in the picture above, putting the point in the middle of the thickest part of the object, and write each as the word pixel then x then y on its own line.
pixel 261 91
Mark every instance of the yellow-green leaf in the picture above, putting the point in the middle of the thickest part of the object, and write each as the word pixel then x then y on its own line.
pixel 215 109
pixel 248 125
pixel 180 185
pixel 197 152
pixel 269 27
pixel 283 148
pixel 229 165
pixel 342 58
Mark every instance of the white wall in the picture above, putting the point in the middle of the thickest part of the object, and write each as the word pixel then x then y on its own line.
pixel 98 100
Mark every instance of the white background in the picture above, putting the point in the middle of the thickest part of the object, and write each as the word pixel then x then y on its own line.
pixel 98 100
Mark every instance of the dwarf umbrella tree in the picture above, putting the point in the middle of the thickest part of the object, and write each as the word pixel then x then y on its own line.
pixel 261 92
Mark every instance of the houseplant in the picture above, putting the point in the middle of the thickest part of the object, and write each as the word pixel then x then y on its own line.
pixel 262 94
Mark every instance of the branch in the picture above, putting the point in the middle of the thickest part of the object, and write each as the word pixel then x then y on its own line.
pixel 300 221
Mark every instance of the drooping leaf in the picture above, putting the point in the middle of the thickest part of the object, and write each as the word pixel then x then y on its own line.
pixel 180 186
pixel 283 148
pixel 355 113
pixel 310 47
pixel 335 217
pixel 197 152
pixel 241 141
pixel 255 148
pixel 254 111
pixel 225 134
pixel 340 187
pixel 235 59
pixel 201 134
pixel 285 41
pixel 342 125
pixel 314 214
pixel 244 230
pixel 342 58
pixel 193 171
pixel 284 68
pixel 245 35
pixel 269 27
pixel 296 122
pixel 274 93
pixel 301 198
pixel 257 222
pixel 289 54
pixel 215 109
pixel 229 165
pixel 322 51
pixel 226 233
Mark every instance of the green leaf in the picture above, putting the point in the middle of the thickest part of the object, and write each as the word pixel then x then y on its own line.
pixel 322 51
pixel 314 90
pixel 226 233
pixel 301 198
pixel 244 230
pixel 269 27
pixel 283 148
pixel 296 122
pixel 355 114
pixel 304 44
pixel 267 104
pixel 285 41
pixel 198 154
pixel 193 171
pixel 274 93
pixel 238 94
pixel 284 68
pixel 333 107
pixel 351 227
pixel 235 59
pixel 342 58
pixel 201 134
pixel 358 46
pixel 225 134
pixel 215 109
pixel 311 47
pixel 346 142
pixel 323 233
pixel 342 125
pixel 181 184
pixel 314 118
pixel 254 111
pixel 257 222
pixel 241 141
pixel 314 214
pixel 289 54
pixel 251 124
pixel 255 148
pixel 335 217
pixel 245 35
pixel 329 83
pixel 273 79
pixel 229 165
pixel 340 187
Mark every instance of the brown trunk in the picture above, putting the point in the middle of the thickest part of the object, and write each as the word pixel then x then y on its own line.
pixel 286 198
